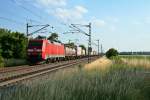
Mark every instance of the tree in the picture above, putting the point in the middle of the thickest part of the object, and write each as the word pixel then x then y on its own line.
pixel 6 46
pixel 4 32
pixel 19 45
pixel 53 37
pixel 111 53
pixel 40 37
pixel 12 44
pixel 83 47
pixel 71 45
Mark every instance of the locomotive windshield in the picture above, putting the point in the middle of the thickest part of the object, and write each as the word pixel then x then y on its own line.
pixel 35 44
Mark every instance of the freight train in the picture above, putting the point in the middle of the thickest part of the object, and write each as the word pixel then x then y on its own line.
pixel 44 50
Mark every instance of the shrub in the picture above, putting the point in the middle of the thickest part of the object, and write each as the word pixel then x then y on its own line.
pixel 117 59
pixel 14 62
pixel 111 53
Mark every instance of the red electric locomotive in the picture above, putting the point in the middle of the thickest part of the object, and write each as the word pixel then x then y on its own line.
pixel 44 50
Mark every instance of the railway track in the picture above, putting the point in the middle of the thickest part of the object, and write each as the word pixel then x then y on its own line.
pixel 35 71
pixel 10 69
pixel 12 72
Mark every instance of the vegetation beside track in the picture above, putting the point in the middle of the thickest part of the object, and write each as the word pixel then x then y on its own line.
pixel 105 80
pixel 14 62
pixel 1 61
pixel 12 46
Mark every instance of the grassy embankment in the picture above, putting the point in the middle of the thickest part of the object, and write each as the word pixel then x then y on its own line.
pixel 101 80
pixel 14 62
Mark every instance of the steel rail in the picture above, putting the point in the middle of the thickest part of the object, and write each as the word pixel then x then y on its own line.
pixel 15 79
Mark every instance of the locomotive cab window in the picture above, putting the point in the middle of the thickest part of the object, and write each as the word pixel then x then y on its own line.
pixel 35 44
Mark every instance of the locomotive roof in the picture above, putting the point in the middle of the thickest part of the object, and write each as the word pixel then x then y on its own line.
pixel 45 40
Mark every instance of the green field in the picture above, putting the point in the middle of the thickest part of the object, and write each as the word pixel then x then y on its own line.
pixel 118 81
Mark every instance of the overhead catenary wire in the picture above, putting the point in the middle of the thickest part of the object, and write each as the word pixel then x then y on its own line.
pixel 26 9
pixel 76 29
pixel 23 18
pixel 30 11
pixel 11 20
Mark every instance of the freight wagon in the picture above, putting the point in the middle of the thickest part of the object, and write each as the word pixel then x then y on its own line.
pixel 70 53
pixel 80 52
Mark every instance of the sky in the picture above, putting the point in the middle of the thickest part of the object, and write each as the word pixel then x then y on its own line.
pixel 120 24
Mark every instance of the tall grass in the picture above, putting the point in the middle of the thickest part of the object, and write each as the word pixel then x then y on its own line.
pixel 143 61
pixel 136 57
pixel 116 82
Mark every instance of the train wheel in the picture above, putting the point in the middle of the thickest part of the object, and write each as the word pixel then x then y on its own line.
pixel 47 61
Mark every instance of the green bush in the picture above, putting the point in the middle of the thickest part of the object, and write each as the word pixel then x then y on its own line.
pixel 14 62
pixel 111 53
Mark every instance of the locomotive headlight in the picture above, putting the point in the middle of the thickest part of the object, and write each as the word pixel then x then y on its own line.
pixel 38 50
pixel 30 50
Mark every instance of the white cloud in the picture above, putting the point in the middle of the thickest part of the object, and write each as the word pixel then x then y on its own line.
pixel 81 9
pixel 48 3
pixel 98 23
pixel 75 13
pixel 112 19
pixel 60 10
pixel 113 28
pixel 62 13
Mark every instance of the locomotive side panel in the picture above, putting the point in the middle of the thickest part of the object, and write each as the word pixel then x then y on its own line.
pixel 54 50
pixel 43 50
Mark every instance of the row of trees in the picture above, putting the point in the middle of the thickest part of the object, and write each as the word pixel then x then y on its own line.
pixel 54 38
pixel 12 44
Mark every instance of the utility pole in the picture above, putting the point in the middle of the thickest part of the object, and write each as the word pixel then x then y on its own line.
pixel 101 49
pixel 89 45
pixel 76 29
pixel 27 31
pixel 29 26
pixel 98 47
